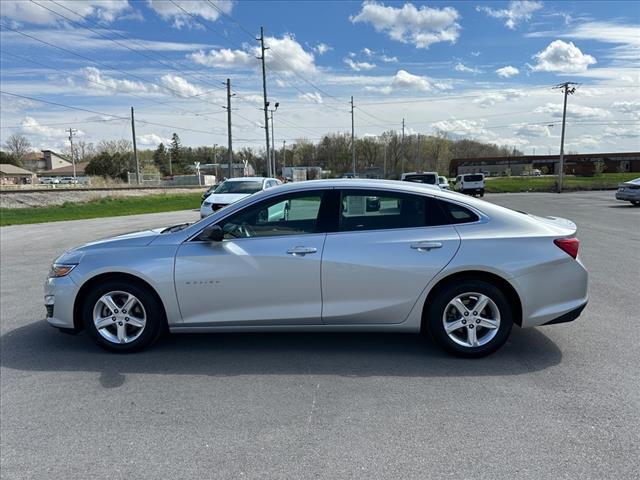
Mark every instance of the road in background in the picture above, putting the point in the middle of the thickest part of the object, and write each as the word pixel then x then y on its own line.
pixel 556 402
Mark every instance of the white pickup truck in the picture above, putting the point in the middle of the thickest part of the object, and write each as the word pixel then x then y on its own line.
pixel 470 183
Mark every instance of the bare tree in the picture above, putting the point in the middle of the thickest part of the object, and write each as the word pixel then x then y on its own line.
pixel 18 147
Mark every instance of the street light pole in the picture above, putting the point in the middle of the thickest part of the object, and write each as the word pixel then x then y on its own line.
pixel 273 143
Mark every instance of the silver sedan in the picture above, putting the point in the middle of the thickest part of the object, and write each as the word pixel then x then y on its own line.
pixel 320 256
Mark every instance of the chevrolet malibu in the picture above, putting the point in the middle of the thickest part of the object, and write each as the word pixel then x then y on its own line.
pixel 311 256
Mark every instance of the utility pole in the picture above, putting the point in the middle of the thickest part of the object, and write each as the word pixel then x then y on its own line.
pixel 402 146
pixel 229 141
pixel 384 165
pixel 264 95
pixel 72 132
pixel 135 148
pixel 568 89
pixel 418 166
pixel 284 155
pixel 353 142
pixel 273 141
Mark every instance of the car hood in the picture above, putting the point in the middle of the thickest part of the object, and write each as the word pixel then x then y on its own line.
pixel 133 239
pixel 225 198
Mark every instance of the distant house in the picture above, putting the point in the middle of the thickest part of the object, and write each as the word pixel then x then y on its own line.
pixel 12 175
pixel 44 160
pixel 67 171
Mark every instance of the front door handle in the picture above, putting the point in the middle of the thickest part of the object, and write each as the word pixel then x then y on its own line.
pixel 301 251
pixel 426 246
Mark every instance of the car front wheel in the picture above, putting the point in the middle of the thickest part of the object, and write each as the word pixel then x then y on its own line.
pixel 470 318
pixel 123 316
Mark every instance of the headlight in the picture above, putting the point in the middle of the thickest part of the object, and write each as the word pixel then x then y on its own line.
pixel 60 270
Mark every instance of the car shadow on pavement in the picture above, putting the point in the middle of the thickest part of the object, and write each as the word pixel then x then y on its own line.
pixel 38 347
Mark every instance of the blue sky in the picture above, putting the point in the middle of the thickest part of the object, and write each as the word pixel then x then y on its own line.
pixel 474 69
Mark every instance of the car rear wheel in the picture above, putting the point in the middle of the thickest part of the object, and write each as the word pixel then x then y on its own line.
pixel 635 203
pixel 123 316
pixel 470 318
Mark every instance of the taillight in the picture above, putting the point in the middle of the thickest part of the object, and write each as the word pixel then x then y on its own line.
pixel 568 245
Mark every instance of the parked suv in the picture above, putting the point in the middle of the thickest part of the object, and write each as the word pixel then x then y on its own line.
pixel 430 178
pixel 471 183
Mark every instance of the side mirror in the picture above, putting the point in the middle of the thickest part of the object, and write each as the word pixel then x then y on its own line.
pixel 212 233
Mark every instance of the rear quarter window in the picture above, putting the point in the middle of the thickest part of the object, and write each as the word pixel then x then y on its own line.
pixel 456 214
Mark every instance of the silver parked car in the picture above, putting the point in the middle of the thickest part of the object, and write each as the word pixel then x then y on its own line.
pixel 630 192
pixel 313 256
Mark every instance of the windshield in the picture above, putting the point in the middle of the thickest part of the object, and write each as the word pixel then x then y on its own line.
pixel 239 187
pixel 473 178
pixel 429 179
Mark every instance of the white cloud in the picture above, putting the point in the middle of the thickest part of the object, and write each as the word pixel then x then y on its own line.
pixel 476 53
pixel 491 98
pixel 170 11
pixel 632 106
pixel 30 126
pixel 616 131
pixel 575 111
pixel 322 48
pixel 368 52
pixel 285 55
pixel 507 71
pixel 462 127
pixel 406 80
pixel 28 12
pixel 562 57
pixel 384 90
pixel 14 104
pixel 359 66
pixel 388 59
pixel 151 140
pixel 422 26
pixel 84 39
pixel 224 58
pixel 517 12
pixel 313 97
pixel 460 67
pixel 533 131
pixel 179 86
pixel 98 80
pixel 626 35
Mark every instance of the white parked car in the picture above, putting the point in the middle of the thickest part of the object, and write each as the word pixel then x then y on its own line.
pixel 48 180
pixel 68 181
pixel 428 178
pixel 443 183
pixel 470 183
pixel 314 256
pixel 234 189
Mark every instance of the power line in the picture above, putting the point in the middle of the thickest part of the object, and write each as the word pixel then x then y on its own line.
pixel 124 37
pixel 104 65
pixel 67 72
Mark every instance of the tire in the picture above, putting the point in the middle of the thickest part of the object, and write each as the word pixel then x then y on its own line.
pixel 142 325
pixel 497 312
pixel 481 193
pixel 635 203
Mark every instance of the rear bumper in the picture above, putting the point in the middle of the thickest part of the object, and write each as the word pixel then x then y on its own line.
pixel 567 317
pixel 552 293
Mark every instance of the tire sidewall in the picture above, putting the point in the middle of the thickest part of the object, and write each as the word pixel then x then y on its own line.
pixel 448 293
pixel 154 321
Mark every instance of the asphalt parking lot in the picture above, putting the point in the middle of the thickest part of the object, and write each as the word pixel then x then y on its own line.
pixel 556 402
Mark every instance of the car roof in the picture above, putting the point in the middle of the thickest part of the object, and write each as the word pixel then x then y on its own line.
pixel 251 179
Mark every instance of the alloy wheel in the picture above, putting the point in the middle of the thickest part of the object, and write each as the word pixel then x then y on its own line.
pixel 471 319
pixel 119 317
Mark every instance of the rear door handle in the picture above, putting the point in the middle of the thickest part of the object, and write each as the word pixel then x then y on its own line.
pixel 301 251
pixel 425 246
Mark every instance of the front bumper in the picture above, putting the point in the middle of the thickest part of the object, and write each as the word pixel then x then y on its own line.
pixel 59 297
pixel 628 195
